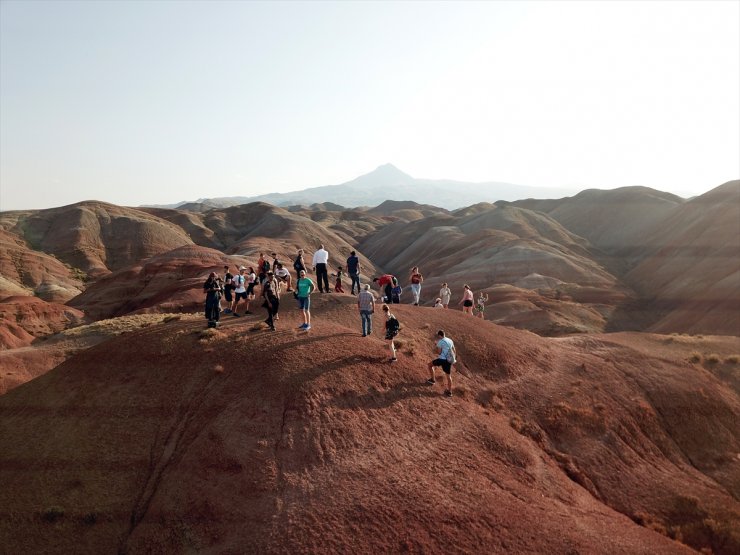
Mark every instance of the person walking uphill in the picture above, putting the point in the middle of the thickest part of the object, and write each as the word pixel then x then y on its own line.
pixel 392 327
pixel 271 293
pixel 213 288
pixel 416 278
pixel 366 306
pixel 320 260
pixel 445 359
pixel 304 288
pixel 353 270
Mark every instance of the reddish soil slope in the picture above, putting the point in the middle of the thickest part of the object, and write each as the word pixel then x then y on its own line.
pixel 95 237
pixel 176 439
pixel 22 318
pixel 27 272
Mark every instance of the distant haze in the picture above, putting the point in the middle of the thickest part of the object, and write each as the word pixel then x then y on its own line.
pixel 154 102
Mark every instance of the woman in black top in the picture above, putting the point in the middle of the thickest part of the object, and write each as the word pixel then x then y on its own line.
pixel 271 293
pixel 299 265
pixel 213 287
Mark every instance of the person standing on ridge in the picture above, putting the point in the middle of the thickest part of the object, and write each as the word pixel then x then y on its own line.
pixel 320 260
pixel 416 278
pixel 338 284
pixel 396 291
pixel 299 264
pixel 480 306
pixel 304 288
pixel 366 306
pixel 271 294
pixel 228 287
pixel 212 289
pixel 385 282
pixel 275 261
pixel 354 269
pixel 445 294
pixel 445 359
pixel 240 290
pixel 467 300
pixel 261 271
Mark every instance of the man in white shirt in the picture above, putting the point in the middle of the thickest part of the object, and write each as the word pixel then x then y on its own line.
pixel 320 261
pixel 240 290
pixel 446 358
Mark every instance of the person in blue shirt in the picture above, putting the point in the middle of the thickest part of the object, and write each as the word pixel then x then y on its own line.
pixel 353 269
pixel 446 358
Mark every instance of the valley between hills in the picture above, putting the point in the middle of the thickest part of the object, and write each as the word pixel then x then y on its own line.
pixel 596 408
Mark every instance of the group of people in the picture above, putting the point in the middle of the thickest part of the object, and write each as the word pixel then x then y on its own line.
pixel 271 276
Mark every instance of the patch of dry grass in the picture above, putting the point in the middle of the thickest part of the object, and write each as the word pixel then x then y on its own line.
pixel 695 357
pixel 713 358
pixel 125 324
pixel 732 359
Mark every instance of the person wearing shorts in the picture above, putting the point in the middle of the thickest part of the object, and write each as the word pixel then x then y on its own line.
pixel 304 288
pixel 444 360
pixel 228 288
pixel 467 300
pixel 240 290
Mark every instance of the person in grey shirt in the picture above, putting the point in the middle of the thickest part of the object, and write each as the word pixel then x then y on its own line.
pixel 366 306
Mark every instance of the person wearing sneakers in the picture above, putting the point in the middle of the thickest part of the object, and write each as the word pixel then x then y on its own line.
pixel 304 288
pixel 228 288
pixel 392 327
pixel 240 290
pixel 366 306
pixel 416 278
pixel 271 294
pixel 445 360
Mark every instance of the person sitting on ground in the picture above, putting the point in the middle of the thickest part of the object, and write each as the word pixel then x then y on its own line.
pixel 392 327
pixel 228 288
pixel 445 293
pixel 467 300
pixel 305 287
pixel 366 306
pixel 240 290
pixel 385 283
pixel 438 303
pixel 396 291
pixel 480 306
pixel 284 276
pixel 338 284
pixel 445 360
pixel 212 288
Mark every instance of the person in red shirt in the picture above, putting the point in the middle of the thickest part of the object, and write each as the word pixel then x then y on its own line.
pixel 386 280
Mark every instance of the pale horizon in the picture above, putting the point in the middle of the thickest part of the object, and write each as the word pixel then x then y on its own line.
pixel 160 102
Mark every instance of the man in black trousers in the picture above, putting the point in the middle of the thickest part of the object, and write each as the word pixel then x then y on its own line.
pixel 320 260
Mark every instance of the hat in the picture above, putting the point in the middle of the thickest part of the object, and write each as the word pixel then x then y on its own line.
pixel 241 268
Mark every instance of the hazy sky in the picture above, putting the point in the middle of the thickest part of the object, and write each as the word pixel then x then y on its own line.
pixel 136 102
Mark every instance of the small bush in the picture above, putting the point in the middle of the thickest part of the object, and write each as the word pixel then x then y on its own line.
pixel 695 357
pixel 52 514
pixel 713 358
pixel 732 359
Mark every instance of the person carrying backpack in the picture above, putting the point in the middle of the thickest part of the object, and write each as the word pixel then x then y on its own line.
pixel 392 327
pixel 213 287
pixel 446 358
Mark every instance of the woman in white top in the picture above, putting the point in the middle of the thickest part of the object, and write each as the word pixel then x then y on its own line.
pixel 480 306
pixel 445 294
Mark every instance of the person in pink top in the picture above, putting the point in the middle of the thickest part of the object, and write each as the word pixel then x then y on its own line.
pixel 467 300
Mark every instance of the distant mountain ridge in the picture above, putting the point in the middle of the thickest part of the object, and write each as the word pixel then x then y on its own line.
pixel 387 182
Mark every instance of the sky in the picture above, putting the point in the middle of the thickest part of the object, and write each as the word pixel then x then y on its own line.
pixel 145 102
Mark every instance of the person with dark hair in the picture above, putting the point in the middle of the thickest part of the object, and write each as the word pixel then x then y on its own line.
pixel 366 306
pixel 252 282
pixel 467 300
pixel 385 282
pixel 299 264
pixel 275 261
pixel 271 294
pixel 353 270
pixel 416 278
pixel 262 266
pixel 392 327
pixel 240 290
pixel 284 276
pixel 304 288
pixel 338 283
pixel 445 294
pixel 320 261
pixel 228 287
pixel 445 360
pixel 396 291
pixel 213 288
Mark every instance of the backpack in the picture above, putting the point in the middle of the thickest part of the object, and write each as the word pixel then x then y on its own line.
pixel 394 326
pixel 397 290
pixel 265 266
pixel 451 355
